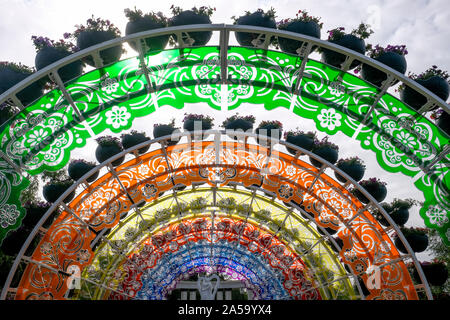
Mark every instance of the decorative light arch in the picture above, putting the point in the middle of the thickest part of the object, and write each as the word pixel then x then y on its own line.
pixel 366 245
pixel 42 135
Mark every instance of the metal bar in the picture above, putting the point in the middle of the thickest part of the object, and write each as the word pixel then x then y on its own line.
pixel 121 254
pixel 143 65
pixel 223 41
pixel 360 211
pixel 404 257
pixel 330 238
pixel 73 214
pixel 437 158
pixel 345 67
pixel 116 261
pixel 308 251
pixel 428 105
pixel 98 61
pixel 390 72
pixel 217 147
pixel 282 223
pixel 319 173
pixel 25 247
pixel 16 101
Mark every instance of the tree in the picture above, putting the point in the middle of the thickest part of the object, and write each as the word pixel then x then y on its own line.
pixel 440 251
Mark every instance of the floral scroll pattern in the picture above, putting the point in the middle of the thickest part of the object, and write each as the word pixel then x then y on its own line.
pixel 43 135
pixel 67 243
pixel 11 211
pixel 268 265
pixel 145 177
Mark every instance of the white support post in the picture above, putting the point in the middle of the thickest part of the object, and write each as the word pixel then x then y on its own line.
pixel 223 41
pixel 143 66
pixel 303 52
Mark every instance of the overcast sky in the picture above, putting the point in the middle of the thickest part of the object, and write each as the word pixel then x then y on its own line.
pixel 423 26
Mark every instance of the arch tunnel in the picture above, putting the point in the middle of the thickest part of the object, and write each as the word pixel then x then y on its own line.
pixel 283 227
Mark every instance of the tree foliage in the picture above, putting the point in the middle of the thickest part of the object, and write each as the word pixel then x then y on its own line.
pixel 441 252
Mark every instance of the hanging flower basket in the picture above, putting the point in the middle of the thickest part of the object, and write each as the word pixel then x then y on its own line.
pixel 14 241
pixel 443 121
pixel 97 31
pixel 375 187
pixel 416 237
pixel 6 112
pixel 78 168
pixel 353 166
pixel 326 150
pixel 270 129
pixel 304 140
pixel 35 211
pixel 108 147
pixel 139 22
pixel 302 24
pixel 380 217
pixel 194 122
pixel 433 79
pixel 436 272
pixel 238 123
pixel 134 138
pixel 391 56
pixel 49 51
pixel 398 210
pixel 55 189
pixel 12 73
pixel 194 16
pixel 353 41
pixel 258 18
pixel 162 130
